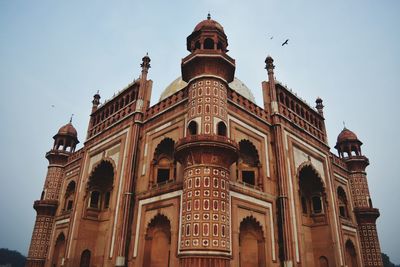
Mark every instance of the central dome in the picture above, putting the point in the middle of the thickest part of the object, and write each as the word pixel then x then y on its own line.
pixel 237 85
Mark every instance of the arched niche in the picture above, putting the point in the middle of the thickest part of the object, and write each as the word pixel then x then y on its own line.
pixel 163 164
pixel 351 254
pixel 100 185
pixel 251 243
pixel 59 251
pixel 85 258
pixel 248 165
pixel 157 242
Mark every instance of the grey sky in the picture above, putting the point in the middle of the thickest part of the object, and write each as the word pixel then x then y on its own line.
pixel 60 53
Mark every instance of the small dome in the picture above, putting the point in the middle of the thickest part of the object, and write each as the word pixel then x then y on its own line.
pixel 68 129
pixel 208 24
pixel 346 135
pixel 237 85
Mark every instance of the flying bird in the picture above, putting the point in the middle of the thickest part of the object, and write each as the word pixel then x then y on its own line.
pixel 272 37
pixel 285 42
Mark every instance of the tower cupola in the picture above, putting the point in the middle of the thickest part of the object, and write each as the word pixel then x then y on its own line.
pixel 347 142
pixel 207 35
pixel 66 138
pixel 207 45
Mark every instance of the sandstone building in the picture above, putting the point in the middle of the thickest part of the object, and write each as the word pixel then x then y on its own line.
pixel 205 177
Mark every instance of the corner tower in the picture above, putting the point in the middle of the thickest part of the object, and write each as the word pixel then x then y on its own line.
pixel 205 151
pixel 349 149
pixel 65 142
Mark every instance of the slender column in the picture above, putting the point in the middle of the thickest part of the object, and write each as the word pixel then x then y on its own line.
pixel 284 224
pixel 141 106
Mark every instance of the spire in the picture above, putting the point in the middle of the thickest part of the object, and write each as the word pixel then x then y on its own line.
pixel 70 120
pixel 208 15
pixel 269 64
pixel 145 63
pixel 320 107
pixel 96 101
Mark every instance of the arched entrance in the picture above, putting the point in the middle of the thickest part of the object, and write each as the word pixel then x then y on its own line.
pixel 157 242
pixel 313 205
pixel 251 244
pixel 85 258
pixel 58 253
pixel 351 255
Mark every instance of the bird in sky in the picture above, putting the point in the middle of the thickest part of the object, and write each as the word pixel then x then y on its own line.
pixel 272 37
pixel 285 42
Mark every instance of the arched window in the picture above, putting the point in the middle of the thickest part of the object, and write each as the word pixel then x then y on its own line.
pixel 100 185
pixel 157 242
pixel 85 258
pixel 351 255
pixel 221 128
pixel 248 164
pixel 94 200
pixel 164 165
pixel 208 43
pixel 251 244
pixel 219 46
pixel 311 191
pixel 69 196
pixel 342 199
pixel 192 128
pixel 314 219
pixel 197 45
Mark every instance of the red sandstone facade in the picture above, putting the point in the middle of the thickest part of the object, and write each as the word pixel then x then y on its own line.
pixel 205 177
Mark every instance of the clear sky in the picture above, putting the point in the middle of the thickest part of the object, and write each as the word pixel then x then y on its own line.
pixel 54 55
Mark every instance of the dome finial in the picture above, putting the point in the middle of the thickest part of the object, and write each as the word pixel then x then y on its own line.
pixel 344 125
pixel 70 120
pixel 208 15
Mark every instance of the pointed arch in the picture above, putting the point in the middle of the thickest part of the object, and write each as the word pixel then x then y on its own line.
pixel 164 164
pixel 69 196
pixel 311 189
pixel 251 243
pixel 249 164
pixel 351 254
pixel 343 202
pixel 85 258
pixel 59 250
pixel 157 242
pixel 100 184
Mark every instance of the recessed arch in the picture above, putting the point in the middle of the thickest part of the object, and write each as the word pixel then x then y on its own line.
pixel 164 164
pixel 249 164
pixel 59 250
pixel 311 189
pixel 69 196
pixel 85 258
pixel 343 202
pixel 100 184
pixel 351 254
pixel 251 243
pixel 157 242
